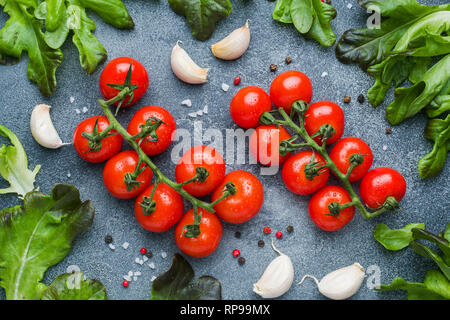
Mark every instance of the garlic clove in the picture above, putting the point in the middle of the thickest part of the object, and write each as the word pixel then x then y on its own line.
pixel 234 45
pixel 185 68
pixel 342 283
pixel 277 278
pixel 42 128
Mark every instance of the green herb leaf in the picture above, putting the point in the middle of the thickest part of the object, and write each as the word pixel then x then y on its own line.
pixel 175 284
pixel 432 164
pixel 38 236
pixel 14 166
pixel 409 101
pixel 435 287
pixel 321 28
pixel 396 239
pixel 440 103
pixel 426 252
pixel 202 15
pixel 71 286
pixel 446 234
pixel 282 11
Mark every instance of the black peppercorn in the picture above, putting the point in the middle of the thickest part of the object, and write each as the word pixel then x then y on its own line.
pixel 149 254
pixel 108 239
pixel 361 98
pixel 347 99
pixel 288 60
pixel 241 260
pixel 273 67
pixel 260 243
pixel 388 130
pixel 237 234
pixel 290 229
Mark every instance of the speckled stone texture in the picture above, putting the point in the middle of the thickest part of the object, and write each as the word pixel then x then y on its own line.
pixel 311 249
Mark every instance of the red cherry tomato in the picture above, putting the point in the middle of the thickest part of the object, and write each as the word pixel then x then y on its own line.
pixel 109 146
pixel 289 87
pixel 325 112
pixel 265 144
pixel 200 156
pixel 247 106
pixel 245 203
pixel 379 184
pixel 168 210
pixel 116 71
pixel 320 213
pixel 294 173
pixel 344 149
pixel 165 132
pixel 114 174
pixel 206 242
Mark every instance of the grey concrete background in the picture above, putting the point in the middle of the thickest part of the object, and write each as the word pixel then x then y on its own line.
pixel 312 250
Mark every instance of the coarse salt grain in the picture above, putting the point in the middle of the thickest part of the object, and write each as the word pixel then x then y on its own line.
pixel 78 111
pixel 145 258
pixel 130 273
pixel 324 74
pixel 349 5
pixel 68 175
pixel 137 260
pixel 153 279
pixel 200 112
pixel 134 278
pixel 193 115
pixel 163 255
pixel 112 247
pixel 151 265
pixel 225 87
pixel 137 273
pixel 72 99
pixel 205 110
pixel 385 148
pixel 187 103
pixel 128 278
pixel 125 245
pixel 84 109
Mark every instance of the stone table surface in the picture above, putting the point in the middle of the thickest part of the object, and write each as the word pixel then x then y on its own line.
pixel 312 250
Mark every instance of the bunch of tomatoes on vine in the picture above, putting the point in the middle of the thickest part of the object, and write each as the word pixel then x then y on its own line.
pixel 238 196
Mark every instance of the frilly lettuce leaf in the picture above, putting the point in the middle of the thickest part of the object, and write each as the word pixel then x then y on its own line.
pixel 72 286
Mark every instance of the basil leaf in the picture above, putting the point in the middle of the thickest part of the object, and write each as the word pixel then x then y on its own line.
pixel 282 11
pixel 37 236
pixel 14 166
pixel 409 101
pixel 321 28
pixel 426 252
pixel 396 239
pixel 113 12
pixel 435 287
pixel 437 130
pixel 440 104
pixel 202 15
pixel 302 13
pixel 441 242
pixel 71 286
pixel 175 284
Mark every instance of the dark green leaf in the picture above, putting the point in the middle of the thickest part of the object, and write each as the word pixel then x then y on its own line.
pixel 113 12
pixel 447 233
pixel 175 284
pixel 302 14
pixel 321 28
pixel 440 104
pixel 55 14
pixel 72 286
pixel 38 236
pixel 282 11
pixel 441 242
pixel 395 239
pixel 426 252
pixel 202 15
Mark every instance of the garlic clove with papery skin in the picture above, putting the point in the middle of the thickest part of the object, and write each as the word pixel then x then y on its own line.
pixel 340 284
pixel 277 278
pixel 234 45
pixel 42 128
pixel 185 68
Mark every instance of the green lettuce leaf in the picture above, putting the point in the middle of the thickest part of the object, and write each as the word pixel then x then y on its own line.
pixel 440 104
pixel 435 287
pixel 37 236
pixel 175 284
pixel 72 286
pixel 310 17
pixel 202 15
pixel 14 166
pixel 410 100
pixel 396 239
pixel 437 130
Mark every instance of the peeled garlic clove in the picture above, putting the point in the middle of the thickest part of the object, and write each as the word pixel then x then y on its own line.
pixel 234 45
pixel 277 278
pixel 42 128
pixel 185 68
pixel 342 283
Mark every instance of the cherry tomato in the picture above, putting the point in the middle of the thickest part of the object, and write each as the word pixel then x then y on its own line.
pixel 245 203
pixel 247 106
pixel 114 174
pixel 325 112
pixel 344 149
pixel 206 242
pixel 265 144
pixel 200 156
pixel 320 213
pixel 294 173
pixel 109 145
pixel 116 71
pixel 165 132
pixel 289 87
pixel 379 184
pixel 168 210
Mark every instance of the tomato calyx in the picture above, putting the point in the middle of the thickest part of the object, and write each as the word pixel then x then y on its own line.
pixel 334 209
pixel 127 84
pixel 201 174
pixel 95 138
pixel 149 130
pixel 299 107
pixel 193 230
pixel 357 158
pixel 391 204
pixel 326 131
pixel 130 178
pixel 314 168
